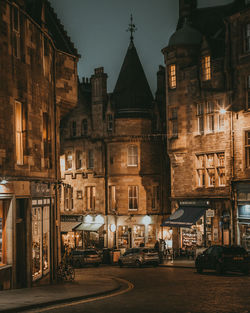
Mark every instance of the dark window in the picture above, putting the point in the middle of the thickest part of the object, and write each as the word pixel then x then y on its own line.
pixel 109 122
pixel 84 130
pixel 47 139
pixel 247 148
pixel 16 31
pixel 73 128
pixel 90 159
pixel 247 38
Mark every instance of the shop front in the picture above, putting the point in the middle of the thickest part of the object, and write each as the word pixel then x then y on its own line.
pixel 243 215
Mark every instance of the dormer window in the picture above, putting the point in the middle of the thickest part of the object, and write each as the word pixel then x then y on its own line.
pixel 172 76
pixel 206 68
pixel 247 38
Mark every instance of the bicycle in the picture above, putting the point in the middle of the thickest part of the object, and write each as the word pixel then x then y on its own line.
pixel 65 272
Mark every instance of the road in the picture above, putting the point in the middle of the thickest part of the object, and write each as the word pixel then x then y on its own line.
pixel 163 290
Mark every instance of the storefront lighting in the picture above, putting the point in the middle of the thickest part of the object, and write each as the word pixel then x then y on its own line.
pixel 146 220
pixel 112 228
pixel 223 111
pixel 3 182
pixel 88 219
pixel 99 219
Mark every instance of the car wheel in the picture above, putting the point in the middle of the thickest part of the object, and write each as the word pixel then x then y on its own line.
pixel 138 263
pixel 120 263
pixel 219 268
pixel 199 269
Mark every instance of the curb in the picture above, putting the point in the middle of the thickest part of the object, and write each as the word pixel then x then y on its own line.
pixel 59 301
pixel 176 266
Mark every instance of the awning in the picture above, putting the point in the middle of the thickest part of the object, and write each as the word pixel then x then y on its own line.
pixel 88 227
pixel 68 226
pixel 185 216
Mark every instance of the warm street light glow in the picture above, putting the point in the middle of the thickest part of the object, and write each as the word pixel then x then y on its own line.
pixel 223 111
pixel 88 219
pixel 112 228
pixel 99 219
pixel 147 220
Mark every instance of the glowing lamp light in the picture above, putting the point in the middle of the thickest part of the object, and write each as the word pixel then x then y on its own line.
pixel 146 219
pixel 3 182
pixel 112 228
pixel 99 219
pixel 223 111
pixel 88 219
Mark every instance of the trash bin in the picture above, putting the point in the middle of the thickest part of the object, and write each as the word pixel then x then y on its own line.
pixel 106 256
pixel 116 254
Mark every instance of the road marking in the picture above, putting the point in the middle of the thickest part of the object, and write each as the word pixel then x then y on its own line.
pixel 117 293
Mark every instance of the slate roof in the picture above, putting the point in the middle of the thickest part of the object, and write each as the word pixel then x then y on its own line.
pixel 55 28
pixel 132 95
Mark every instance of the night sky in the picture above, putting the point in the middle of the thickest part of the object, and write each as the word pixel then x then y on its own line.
pixel 98 30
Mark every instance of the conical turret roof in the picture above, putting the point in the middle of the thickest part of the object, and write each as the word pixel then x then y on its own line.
pixel 132 94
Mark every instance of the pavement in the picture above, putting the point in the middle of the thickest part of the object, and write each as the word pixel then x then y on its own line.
pixel 85 286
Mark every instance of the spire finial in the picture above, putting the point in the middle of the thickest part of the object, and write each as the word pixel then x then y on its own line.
pixel 131 28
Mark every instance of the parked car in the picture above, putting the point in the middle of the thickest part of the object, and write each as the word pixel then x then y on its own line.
pixel 80 258
pixel 139 257
pixel 222 259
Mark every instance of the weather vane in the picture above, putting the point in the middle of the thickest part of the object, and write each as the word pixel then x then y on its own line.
pixel 131 28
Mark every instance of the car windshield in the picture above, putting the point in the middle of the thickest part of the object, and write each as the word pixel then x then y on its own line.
pixel 149 250
pixel 92 252
pixel 234 250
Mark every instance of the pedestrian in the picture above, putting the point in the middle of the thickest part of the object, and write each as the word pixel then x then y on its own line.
pixel 156 246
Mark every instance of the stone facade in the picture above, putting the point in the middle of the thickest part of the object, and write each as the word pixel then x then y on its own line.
pixel 38 85
pixel 122 163
pixel 207 70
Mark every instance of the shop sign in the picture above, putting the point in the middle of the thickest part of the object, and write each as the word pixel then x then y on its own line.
pixel 40 189
pixel 71 218
pixel 202 203
pixel 209 213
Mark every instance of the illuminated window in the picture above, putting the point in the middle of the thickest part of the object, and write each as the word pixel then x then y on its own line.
pixel 16 31
pixel 90 197
pixel 79 159
pixel 132 155
pixel 200 169
pixel 19 132
pixel 84 128
pixel 2 233
pixel 47 140
pixel 90 159
pixel 69 160
pixel 210 170
pixel 155 197
pixel 206 68
pixel 133 197
pixel 247 148
pixel 247 38
pixel 112 198
pixel 200 118
pixel 172 76
pixel 221 169
pixel 210 116
pixel 68 198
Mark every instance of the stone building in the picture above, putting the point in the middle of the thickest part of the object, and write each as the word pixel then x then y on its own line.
pixel 207 68
pixel 38 85
pixel 113 161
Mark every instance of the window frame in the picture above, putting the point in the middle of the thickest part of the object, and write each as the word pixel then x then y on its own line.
pixel 247 37
pixel 112 198
pixel 172 81
pixel 90 196
pixel 132 156
pixel 247 149
pixel 19 130
pixel 16 47
pixel 84 127
pixel 206 67
pixel 200 118
pixel 91 159
pixel 134 196
pixel 210 117
pixel 68 153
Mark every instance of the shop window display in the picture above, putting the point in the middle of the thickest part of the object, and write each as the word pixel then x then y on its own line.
pixel 122 236
pixel 138 235
pixel 1 233
pixel 151 234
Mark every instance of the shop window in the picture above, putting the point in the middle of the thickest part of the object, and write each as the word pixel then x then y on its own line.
pixel 206 68
pixel 47 149
pixel 200 168
pixel 90 197
pixel 200 118
pixel 138 235
pixel 112 198
pixel 133 197
pixel 90 159
pixel 155 197
pixel 247 38
pixel 247 149
pixel 84 128
pixel 19 121
pixel 69 160
pixel 151 234
pixel 68 198
pixel 109 122
pixel 132 155
pixel 40 241
pixel 123 236
pixel 16 31
pixel 73 129
pixel 2 233
pixel 210 116
pixel 174 123
pixel 221 168
pixel 79 159
pixel 172 76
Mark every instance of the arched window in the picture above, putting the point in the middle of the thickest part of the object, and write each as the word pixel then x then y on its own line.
pixel 84 130
pixel 132 155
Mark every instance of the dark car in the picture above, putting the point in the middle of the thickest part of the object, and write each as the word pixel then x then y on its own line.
pixel 80 258
pixel 222 259
pixel 139 257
